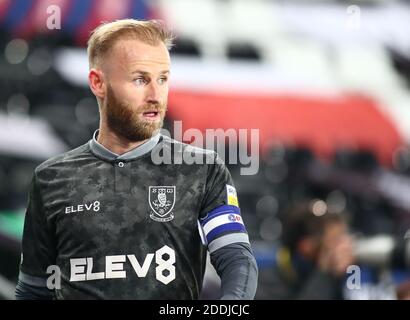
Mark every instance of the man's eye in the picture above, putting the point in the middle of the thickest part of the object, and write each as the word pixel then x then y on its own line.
pixel 139 81
pixel 162 80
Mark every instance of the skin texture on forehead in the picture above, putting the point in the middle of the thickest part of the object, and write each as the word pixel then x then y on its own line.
pixel 128 55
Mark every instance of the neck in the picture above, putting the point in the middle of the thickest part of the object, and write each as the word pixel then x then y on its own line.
pixel 114 142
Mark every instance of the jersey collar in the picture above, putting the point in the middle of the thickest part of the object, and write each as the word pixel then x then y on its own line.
pixel 99 150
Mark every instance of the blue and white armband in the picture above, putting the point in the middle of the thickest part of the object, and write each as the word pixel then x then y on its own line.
pixel 222 226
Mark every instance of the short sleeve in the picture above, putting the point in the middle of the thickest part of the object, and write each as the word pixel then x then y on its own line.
pixel 38 244
pixel 220 219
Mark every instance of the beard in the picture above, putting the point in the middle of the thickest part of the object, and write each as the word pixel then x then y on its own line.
pixel 126 121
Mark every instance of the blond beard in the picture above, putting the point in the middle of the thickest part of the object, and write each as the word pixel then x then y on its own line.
pixel 126 122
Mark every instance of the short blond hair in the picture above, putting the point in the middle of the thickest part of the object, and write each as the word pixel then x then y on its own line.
pixel 105 35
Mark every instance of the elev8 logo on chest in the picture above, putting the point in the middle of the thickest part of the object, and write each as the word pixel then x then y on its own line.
pixel 93 206
pixel 165 258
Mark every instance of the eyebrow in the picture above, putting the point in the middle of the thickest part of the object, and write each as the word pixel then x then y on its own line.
pixel 147 73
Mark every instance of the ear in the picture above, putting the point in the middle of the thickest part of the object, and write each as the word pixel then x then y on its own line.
pixel 97 83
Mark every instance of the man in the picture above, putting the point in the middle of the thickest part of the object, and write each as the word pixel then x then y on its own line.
pixel 313 261
pixel 118 224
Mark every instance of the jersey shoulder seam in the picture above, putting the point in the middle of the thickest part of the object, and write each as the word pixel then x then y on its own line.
pixel 185 146
pixel 83 149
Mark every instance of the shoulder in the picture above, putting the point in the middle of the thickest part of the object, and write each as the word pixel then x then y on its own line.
pixel 63 158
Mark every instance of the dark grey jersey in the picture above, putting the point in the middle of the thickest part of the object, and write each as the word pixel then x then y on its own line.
pixel 134 226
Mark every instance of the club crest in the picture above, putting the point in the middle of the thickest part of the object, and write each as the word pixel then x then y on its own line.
pixel 161 200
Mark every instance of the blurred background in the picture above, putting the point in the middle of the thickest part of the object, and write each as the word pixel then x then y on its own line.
pixel 327 83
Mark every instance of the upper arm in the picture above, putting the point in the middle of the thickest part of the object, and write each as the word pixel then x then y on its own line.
pixel 220 219
pixel 38 244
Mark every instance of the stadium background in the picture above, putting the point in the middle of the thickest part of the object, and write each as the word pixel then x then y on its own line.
pixel 329 95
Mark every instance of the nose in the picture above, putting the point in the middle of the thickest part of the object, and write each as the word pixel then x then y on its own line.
pixel 153 93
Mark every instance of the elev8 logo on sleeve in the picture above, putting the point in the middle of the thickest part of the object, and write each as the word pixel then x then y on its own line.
pixel 82 268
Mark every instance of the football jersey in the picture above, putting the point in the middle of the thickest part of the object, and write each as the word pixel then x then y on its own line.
pixel 130 226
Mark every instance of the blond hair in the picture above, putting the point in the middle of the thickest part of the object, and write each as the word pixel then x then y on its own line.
pixel 105 35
